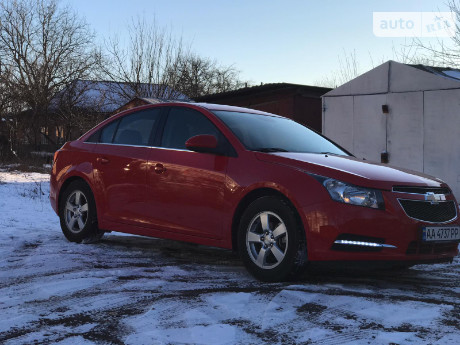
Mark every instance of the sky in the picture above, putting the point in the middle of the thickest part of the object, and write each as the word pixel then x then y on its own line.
pixel 267 41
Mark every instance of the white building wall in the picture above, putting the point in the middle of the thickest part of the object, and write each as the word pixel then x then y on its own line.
pixel 339 126
pixel 369 127
pixel 404 78
pixel 405 130
pixel 421 131
pixel 373 82
pixel 442 136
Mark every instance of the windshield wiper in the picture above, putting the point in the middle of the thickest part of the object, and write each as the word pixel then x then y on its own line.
pixel 270 149
pixel 330 153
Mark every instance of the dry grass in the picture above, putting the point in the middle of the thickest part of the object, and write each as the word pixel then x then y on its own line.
pixel 33 164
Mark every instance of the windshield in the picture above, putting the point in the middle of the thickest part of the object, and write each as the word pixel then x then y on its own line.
pixel 275 134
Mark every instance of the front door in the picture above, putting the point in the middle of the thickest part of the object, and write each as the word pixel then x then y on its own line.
pixel 186 189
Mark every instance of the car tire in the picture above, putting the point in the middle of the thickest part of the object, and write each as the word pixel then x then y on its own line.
pixel 271 241
pixel 77 213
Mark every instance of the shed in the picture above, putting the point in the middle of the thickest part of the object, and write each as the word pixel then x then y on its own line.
pixel 411 112
pixel 301 103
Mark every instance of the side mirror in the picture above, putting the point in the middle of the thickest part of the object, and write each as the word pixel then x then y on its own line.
pixel 203 143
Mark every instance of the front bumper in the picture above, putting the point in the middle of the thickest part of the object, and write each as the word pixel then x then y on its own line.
pixel 400 235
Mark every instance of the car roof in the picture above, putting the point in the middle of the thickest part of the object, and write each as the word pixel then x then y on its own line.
pixel 221 107
pixel 207 106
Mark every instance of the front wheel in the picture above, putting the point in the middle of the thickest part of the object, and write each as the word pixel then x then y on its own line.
pixel 77 213
pixel 271 240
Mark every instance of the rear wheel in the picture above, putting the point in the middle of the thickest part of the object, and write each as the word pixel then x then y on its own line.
pixel 270 240
pixel 77 212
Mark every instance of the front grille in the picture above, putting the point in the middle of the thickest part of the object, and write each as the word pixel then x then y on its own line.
pixel 421 190
pixel 426 211
pixel 431 248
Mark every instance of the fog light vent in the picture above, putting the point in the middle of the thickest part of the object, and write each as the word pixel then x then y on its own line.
pixel 357 243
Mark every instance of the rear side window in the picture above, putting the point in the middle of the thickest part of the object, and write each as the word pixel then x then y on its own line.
pixel 134 129
pixel 184 123
pixel 108 132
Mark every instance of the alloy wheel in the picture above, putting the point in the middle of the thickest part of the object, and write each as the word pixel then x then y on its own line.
pixel 267 240
pixel 76 211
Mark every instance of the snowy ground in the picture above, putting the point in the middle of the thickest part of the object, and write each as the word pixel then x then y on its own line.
pixel 135 290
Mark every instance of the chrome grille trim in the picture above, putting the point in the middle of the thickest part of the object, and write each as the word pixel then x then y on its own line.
pixel 420 190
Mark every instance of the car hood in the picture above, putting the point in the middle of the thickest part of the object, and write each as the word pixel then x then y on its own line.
pixel 351 170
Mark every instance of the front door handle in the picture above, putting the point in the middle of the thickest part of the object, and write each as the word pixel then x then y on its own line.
pixel 102 160
pixel 159 168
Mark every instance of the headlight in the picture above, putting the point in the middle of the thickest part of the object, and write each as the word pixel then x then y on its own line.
pixel 354 195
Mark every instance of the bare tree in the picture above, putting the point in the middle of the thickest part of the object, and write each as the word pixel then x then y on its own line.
pixel 135 66
pixel 45 47
pixel 438 52
pixel 412 52
pixel 5 95
pixel 348 70
pixel 196 76
pixel 77 108
pixel 9 105
pixel 155 64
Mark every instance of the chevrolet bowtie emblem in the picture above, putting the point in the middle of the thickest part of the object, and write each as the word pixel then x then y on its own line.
pixel 434 198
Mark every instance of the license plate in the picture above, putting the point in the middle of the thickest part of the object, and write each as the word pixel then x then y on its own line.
pixel 441 233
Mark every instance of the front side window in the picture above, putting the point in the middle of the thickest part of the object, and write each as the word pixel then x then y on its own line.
pixel 184 123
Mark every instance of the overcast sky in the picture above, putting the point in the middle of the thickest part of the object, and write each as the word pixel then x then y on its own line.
pixel 268 41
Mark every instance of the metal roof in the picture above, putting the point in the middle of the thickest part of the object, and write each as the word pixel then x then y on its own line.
pixel 446 72
pixel 317 90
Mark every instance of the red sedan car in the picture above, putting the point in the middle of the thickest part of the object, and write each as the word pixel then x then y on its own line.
pixel 276 191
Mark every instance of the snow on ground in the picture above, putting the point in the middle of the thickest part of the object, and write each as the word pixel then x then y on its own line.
pixel 137 290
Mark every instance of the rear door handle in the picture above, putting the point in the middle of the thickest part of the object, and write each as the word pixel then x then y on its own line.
pixel 102 160
pixel 159 168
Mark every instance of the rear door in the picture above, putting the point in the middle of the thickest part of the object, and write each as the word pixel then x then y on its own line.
pixel 121 163
pixel 186 189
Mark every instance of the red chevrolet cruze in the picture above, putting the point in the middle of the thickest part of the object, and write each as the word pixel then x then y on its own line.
pixel 276 191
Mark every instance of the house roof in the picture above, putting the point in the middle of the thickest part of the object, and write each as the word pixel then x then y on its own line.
pixel 139 101
pixel 107 96
pixel 264 88
pixel 393 76
pixel 151 100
